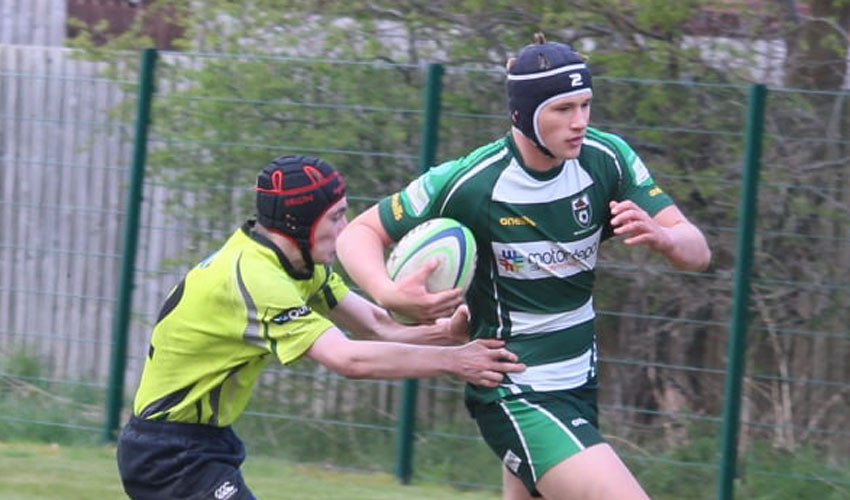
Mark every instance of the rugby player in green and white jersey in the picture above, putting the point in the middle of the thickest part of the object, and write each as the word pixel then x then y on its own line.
pixel 539 201
pixel 268 293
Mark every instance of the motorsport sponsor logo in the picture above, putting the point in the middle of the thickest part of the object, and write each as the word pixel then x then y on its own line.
pixel 582 211
pixel 292 313
pixel 511 260
pixel 417 196
pixel 546 259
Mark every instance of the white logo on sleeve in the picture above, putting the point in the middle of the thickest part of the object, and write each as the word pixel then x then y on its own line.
pixel 225 491
pixel 512 461
pixel 418 197
pixel 639 172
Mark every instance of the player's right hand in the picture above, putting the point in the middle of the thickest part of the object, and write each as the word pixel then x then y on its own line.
pixel 411 298
pixel 484 362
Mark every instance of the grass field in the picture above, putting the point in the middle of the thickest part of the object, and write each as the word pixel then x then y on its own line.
pixel 51 472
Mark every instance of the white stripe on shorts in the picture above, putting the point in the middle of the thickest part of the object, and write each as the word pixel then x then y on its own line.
pixel 521 439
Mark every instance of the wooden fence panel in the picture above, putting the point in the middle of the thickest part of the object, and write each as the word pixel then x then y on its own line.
pixel 32 22
pixel 64 164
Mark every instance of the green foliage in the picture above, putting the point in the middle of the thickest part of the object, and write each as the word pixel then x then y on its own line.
pixel 685 472
pixel 301 438
pixel 23 363
pixel 274 90
pixel 771 473
pixel 690 471
pixel 453 453
pixel 36 408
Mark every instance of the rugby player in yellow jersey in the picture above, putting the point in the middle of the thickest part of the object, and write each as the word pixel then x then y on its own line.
pixel 269 293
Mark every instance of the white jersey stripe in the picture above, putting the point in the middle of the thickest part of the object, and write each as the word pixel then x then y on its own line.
pixel 517 187
pixel 532 260
pixel 561 375
pixel 524 323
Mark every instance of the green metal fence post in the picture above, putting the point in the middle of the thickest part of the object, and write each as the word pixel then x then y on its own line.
pixel 737 346
pixel 121 317
pixel 427 154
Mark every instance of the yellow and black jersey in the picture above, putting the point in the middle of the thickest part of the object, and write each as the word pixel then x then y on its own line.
pixel 221 325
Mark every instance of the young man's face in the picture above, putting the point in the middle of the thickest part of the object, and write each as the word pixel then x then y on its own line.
pixel 327 229
pixel 562 124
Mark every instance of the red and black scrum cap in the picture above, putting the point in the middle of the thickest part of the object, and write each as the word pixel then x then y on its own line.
pixel 293 192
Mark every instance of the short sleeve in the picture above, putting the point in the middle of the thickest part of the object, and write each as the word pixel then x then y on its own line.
pixel 418 202
pixel 637 184
pixel 330 293
pixel 279 318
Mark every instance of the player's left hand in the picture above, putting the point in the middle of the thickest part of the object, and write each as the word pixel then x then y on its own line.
pixel 456 327
pixel 631 221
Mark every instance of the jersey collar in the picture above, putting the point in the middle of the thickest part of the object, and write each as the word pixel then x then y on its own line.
pixel 541 176
pixel 248 229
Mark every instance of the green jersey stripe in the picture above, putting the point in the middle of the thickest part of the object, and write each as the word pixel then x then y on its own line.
pixel 552 347
pixel 471 173
pixel 606 150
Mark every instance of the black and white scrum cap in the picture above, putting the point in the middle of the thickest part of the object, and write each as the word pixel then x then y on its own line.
pixel 543 72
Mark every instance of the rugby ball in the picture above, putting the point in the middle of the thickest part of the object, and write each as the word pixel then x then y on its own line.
pixel 445 239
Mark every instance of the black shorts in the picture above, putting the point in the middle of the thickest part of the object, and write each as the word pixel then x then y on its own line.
pixel 177 461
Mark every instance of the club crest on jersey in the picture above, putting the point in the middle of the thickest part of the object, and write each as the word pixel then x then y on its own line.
pixel 582 212
pixel 288 315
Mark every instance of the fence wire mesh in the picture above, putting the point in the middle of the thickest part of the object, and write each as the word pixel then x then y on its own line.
pixel 65 143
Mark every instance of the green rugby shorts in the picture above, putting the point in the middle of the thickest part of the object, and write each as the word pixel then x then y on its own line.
pixel 533 432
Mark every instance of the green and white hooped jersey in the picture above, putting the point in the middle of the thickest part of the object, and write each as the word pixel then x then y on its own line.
pixel 226 320
pixel 538 236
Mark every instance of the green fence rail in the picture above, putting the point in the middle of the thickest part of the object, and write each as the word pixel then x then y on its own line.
pixel 668 341
pixel 115 396
pixel 737 345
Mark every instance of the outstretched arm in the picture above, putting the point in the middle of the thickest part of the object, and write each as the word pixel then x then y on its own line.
pixel 669 233
pixel 360 248
pixel 481 362
pixel 368 321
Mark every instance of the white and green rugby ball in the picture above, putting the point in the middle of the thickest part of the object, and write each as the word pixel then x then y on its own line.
pixel 445 239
